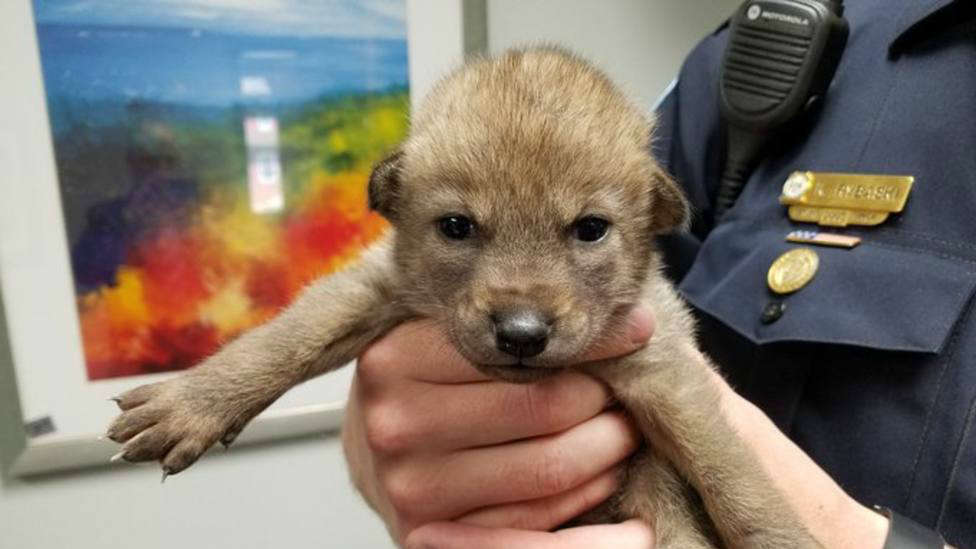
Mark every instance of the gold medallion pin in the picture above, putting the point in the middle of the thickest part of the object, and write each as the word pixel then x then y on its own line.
pixel 792 270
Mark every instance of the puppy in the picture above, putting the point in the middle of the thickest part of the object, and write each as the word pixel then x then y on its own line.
pixel 523 206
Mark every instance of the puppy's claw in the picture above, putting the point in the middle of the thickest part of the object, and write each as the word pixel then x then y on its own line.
pixel 117 400
pixel 165 474
pixel 117 457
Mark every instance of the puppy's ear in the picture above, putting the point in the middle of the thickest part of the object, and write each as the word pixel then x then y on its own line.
pixel 669 208
pixel 384 184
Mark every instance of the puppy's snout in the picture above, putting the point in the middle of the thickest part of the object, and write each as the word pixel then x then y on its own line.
pixel 522 334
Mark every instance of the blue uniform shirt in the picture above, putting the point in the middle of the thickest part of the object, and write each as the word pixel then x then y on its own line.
pixel 871 368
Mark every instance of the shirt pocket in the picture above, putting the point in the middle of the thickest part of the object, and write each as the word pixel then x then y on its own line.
pixel 877 296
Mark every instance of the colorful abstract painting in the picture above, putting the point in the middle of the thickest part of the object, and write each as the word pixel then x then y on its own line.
pixel 212 158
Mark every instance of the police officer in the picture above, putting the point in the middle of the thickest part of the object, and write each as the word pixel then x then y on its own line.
pixel 868 367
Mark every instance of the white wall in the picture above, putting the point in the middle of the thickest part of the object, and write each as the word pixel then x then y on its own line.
pixel 639 43
pixel 296 494
pixel 289 495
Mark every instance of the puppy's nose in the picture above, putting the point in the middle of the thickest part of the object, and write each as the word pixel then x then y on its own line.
pixel 522 334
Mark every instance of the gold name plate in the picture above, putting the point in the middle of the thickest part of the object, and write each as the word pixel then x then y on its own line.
pixel 836 217
pixel 841 199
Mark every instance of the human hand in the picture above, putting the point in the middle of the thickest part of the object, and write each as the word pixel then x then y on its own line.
pixel 428 438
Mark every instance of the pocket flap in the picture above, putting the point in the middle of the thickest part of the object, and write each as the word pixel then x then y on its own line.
pixel 875 295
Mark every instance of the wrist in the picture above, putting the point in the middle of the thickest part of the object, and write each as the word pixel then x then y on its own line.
pixel 875 526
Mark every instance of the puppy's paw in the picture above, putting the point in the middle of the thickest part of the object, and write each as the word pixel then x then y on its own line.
pixel 176 421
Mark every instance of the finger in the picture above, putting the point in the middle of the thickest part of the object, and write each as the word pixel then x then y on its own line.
pixel 421 351
pixel 632 534
pixel 548 513
pixel 626 337
pixel 133 422
pixel 418 350
pixel 439 417
pixel 519 471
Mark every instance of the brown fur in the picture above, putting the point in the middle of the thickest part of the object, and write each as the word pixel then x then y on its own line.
pixel 525 144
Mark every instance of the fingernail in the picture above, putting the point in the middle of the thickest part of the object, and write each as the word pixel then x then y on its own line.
pixel 117 457
pixel 641 322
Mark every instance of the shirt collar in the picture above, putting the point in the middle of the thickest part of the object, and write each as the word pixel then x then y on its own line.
pixel 924 19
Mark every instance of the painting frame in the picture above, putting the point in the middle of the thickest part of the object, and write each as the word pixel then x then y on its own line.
pixel 38 304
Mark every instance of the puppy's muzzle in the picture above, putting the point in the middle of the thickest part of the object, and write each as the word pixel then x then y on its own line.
pixel 521 333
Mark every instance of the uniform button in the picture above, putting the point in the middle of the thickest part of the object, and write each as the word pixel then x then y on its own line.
pixel 772 311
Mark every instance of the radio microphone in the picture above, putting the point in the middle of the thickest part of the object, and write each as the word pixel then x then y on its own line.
pixel 780 59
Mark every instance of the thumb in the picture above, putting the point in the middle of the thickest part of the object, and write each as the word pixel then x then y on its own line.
pixel 633 534
pixel 624 337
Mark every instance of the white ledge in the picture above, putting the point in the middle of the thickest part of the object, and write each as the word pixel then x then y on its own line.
pixel 54 453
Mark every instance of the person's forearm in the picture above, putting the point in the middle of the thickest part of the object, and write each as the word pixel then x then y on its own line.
pixel 833 517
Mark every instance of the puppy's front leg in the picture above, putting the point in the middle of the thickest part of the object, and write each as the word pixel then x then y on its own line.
pixel 669 388
pixel 328 325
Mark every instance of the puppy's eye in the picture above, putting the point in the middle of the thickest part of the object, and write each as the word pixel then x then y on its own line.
pixel 591 228
pixel 455 227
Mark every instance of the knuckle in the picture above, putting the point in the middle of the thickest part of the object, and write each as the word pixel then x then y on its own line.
pixel 404 491
pixel 424 536
pixel 418 539
pixel 386 429
pixel 375 361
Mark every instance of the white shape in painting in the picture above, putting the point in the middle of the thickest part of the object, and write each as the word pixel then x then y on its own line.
pixel 264 179
pixel 261 131
pixel 255 86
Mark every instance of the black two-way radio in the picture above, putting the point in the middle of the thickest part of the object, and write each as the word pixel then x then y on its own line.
pixel 780 59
